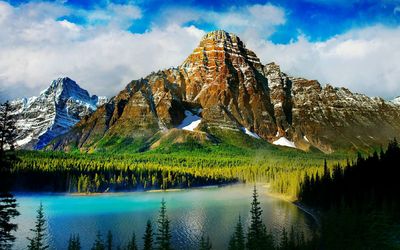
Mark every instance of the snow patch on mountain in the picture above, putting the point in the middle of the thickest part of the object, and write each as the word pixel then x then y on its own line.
pixel 23 141
pixel 284 142
pixel 190 122
pixel 249 133
pixel 396 100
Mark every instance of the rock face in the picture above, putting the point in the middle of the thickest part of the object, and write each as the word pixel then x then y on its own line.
pixel 226 87
pixel 58 108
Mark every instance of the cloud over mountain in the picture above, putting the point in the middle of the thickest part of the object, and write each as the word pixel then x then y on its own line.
pixel 98 46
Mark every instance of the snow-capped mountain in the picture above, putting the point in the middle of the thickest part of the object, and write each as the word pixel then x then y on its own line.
pixel 40 119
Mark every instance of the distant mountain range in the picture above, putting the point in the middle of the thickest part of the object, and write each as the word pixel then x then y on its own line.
pixel 40 119
pixel 220 91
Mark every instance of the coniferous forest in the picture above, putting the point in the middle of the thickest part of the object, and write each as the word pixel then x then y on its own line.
pixel 358 204
pixel 97 173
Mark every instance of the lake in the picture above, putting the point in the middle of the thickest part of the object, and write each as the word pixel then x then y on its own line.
pixel 213 210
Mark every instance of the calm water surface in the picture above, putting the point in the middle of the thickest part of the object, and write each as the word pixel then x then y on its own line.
pixel 192 212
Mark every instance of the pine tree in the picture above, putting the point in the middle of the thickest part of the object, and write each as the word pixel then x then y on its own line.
pixel 109 242
pixel 148 237
pixel 74 242
pixel 205 244
pixel 98 243
pixel 232 243
pixel 132 243
pixel 257 236
pixel 239 234
pixel 7 127
pixel 38 242
pixel 163 236
pixel 8 211
pixel 237 241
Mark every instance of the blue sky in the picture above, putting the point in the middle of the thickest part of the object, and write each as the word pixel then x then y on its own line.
pixel 344 43
pixel 317 19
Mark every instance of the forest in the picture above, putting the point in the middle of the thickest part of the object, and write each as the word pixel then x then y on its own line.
pixel 358 204
pixel 95 172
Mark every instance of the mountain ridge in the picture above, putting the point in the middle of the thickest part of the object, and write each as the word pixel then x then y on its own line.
pixel 235 92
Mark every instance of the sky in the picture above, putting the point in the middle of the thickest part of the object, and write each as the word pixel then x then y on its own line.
pixel 104 44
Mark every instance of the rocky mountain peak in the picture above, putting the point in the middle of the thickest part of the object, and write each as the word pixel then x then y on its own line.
pixel 221 36
pixel 65 88
pixel 63 82
pixel 53 112
pixel 219 46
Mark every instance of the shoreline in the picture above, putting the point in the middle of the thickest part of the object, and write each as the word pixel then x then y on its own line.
pixel 308 211
pixel 108 192
pixel 293 201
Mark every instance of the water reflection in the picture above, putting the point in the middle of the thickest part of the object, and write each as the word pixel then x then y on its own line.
pixel 192 212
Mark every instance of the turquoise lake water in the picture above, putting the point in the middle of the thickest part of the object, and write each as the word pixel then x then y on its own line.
pixel 213 211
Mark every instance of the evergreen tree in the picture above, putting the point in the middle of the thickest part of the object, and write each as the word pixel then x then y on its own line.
pixel 109 242
pixel 8 211
pixel 38 241
pixel 98 243
pixel 257 236
pixel 237 241
pixel 132 243
pixel 148 237
pixel 74 242
pixel 205 244
pixel 232 243
pixel 7 128
pixel 163 236
pixel 239 235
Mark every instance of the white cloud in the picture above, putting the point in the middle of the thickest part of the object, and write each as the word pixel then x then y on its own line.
pixel 248 21
pixel 364 60
pixel 39 45
pixel 258 21
pixel 36 48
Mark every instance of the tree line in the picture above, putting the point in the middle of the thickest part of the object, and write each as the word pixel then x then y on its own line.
pixel 86 173
pixel 358 203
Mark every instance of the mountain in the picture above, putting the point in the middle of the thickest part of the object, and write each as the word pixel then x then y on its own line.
pixel 40 119
pixel 222 90
pixel 396 100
